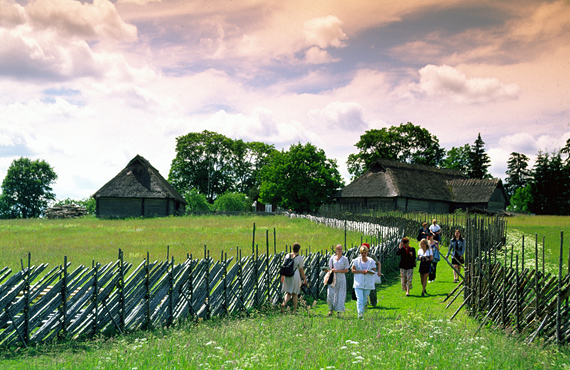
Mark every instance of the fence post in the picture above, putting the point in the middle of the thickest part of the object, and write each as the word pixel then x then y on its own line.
pixel 147 285
pixel 559 297
pixel 536 278
pixel 267 281
pixel 518 313
pixel 64 297
pixel 170 293
pixel 207 257
pixel 122 290
pixel 27 300
pixel 225 282
pixel 95 267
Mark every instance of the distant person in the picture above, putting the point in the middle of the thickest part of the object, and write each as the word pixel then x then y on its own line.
pixel 425 256
pixel 435 230
pixel 407 263
pixel 424 230
pixel 457 252
pixel 363 269
pixel 373 295
pixel 292 284
pixel 336 296
pixel 434 246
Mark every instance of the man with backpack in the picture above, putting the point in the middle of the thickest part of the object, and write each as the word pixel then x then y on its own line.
pixel 291 274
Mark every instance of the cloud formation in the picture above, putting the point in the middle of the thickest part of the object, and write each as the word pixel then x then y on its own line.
pixel 448 82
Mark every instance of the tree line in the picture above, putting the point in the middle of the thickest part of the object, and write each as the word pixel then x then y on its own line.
pixel 214 172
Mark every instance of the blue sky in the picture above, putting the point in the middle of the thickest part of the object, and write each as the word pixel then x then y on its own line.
pixel 87 85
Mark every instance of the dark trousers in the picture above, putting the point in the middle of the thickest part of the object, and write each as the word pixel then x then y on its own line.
pixel 432 271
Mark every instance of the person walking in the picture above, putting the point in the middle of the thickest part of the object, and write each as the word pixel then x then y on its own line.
pixel 457 252
pixel 424 231
pixel 291 285
pixel 435 230
pixel 373 297
pixel 336 295
pixel 407 263
pixel 363 269
pixel 425 256
pixel 434 246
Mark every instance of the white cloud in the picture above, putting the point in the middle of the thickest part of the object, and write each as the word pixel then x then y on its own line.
pixel 316 55
pixel 448 82
pixel 71 18
pixel 325 32
pixel 340 115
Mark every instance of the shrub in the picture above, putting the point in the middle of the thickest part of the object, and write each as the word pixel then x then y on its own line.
pixel 232 202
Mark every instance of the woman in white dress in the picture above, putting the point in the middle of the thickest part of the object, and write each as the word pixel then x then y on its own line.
pixel 336 296
pixel 363 269
pixel 292 284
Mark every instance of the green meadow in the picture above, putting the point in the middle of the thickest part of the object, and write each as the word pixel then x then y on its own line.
pixel 400 333
pixel 89 239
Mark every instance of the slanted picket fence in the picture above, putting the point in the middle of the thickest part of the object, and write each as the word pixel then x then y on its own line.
pixel 529 302
pixel 39 305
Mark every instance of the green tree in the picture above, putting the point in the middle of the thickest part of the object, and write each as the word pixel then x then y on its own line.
pixel 196 202
pixel 301 179
pixel 517 172
pixel 479 161
pixel 26 189
pixel 521 200
pixel 232 202
pixel 214 164
pixel 458 159
pixel 405 143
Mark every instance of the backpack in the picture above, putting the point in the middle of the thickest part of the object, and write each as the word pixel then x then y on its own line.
pixel 287 268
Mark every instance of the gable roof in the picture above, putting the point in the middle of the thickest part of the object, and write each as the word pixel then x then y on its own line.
pixel 475 190
pixel 388 179
pixel 139 179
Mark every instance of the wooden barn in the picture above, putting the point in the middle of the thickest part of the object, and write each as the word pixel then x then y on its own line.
pixel 393 185
pixel 138 190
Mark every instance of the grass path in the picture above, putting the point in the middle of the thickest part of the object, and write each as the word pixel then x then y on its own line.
pixel 401 333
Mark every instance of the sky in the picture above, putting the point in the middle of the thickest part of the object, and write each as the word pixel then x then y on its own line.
pixel 88 85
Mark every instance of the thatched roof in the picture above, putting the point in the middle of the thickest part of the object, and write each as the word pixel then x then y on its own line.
pixel 139 180
pixel 474 190
pixel 388 179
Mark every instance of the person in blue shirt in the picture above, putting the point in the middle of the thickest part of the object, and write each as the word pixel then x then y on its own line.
pixel 457 252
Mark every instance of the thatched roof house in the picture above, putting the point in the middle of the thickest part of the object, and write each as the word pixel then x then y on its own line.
pixel 394 185
pixel 138 190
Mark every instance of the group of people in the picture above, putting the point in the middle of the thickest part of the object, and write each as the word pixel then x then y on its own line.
pixel 428 256
pixel 367 269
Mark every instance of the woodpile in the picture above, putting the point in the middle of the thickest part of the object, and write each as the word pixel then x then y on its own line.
pixel 66 211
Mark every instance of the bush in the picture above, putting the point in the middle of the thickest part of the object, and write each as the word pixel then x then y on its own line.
pixel 232 202
pixel 196 202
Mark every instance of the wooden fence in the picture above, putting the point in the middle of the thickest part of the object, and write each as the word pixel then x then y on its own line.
pixel 499 291
pixel 39 305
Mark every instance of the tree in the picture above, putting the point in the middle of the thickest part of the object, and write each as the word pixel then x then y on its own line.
pixel 214 164
pixel 550 185
pixel 517 173
pixel 300 179
pixel 521 200
pixel 196 202
pixel 232 202
pixel 405 143
pixel 26 189
pixel 479 161
pixel 458 159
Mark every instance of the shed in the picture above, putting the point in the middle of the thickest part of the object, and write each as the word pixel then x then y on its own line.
pixel 138 190
pixel 393 185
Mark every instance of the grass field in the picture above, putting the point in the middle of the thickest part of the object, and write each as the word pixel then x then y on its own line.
pixel 90 239
pixel 401 333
